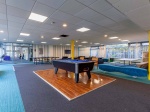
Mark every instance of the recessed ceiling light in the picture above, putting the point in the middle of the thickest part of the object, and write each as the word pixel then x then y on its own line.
pixel 55 38
pixel 119 39
pixel 76 41
pixel 96 43
pixel 42 36
pixel 37 17
pixel 4 39
pixel 24 34
pixel 60 44
pixel 64 25
pixel 43 42
pixel 113 37
pixel 20 40
pixel 32 41
pixel 1 31
pixel 105 35
pixel 84 42
pixel 83 29
pixel 79 45
pixel 67 44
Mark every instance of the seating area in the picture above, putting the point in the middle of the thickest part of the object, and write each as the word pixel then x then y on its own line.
pixel 129 70
pixel 74 55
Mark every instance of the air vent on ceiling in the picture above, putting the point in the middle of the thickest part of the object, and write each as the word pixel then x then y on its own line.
pixel 63 35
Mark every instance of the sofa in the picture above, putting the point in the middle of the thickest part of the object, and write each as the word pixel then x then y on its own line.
pixel 129 70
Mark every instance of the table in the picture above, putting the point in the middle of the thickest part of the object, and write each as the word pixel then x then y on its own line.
pixel 127 59
pixel 76 66
pixel 43 59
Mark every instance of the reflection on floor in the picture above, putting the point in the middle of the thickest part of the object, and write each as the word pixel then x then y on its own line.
pixel 65 84
pixel 16 61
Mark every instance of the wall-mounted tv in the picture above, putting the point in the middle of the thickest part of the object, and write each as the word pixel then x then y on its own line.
pixel 67 51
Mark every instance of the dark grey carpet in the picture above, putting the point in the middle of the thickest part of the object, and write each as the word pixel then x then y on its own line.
pixel 119 96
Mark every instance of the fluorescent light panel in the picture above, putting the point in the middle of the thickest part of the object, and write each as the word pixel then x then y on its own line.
pixel 84 42
pixel 37 17
pixel 96 43
pixel 55 38
pixel 20 40
pixel 24 34
pixel 67 44
pixel 125 40
pixel 113 37
pixel 83 29
pixel 43 42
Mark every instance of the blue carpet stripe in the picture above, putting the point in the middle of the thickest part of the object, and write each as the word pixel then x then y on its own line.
pixel 10 97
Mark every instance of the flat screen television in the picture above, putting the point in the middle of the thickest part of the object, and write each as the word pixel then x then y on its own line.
pixel 67 51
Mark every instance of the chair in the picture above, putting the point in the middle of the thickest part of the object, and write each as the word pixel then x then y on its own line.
pixel 65 57
pixel 81 57
pixel 142 65
pixel 95 61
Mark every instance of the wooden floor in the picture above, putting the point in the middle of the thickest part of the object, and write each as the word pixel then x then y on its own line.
pixel 65 83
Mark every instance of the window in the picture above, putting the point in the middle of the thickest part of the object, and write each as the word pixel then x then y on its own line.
pixel 94 51
pixel 117 51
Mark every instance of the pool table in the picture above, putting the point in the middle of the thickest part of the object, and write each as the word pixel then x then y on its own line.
pixel 76 66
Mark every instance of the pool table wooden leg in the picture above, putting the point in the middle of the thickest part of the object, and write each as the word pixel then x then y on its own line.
pixel 88 74
pixel 76 77
pixel 56 70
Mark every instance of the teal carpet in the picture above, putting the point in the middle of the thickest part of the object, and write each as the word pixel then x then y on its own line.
pixel 10 98
pixel 121 75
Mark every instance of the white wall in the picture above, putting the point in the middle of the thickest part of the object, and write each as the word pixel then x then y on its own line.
pixel 84 51
pixel 50 50
pixel 47 50
pixel 59 51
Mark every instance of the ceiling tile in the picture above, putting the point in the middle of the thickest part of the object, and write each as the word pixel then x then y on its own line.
pixel 114 15
pixel 141 16
pixel 106 22
pixel 113 1
pixel 86 2
pixel 89 14
pixel 72 7
pixel 101 5
pixel 3 8
pixel 86 24
pixel 16 19
pixel 52 3
pixel 13 24
pixel 3 27
pixel 33 23
pixel 42 9
pixel 3 22
pixel 3 1
pixel 21 4
pixel 17 12
pixel 3 16
pixel 61 15
pixel 128 5
pixel 73 20
pixel 13 29
pixel 53 22
pixel 117 27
